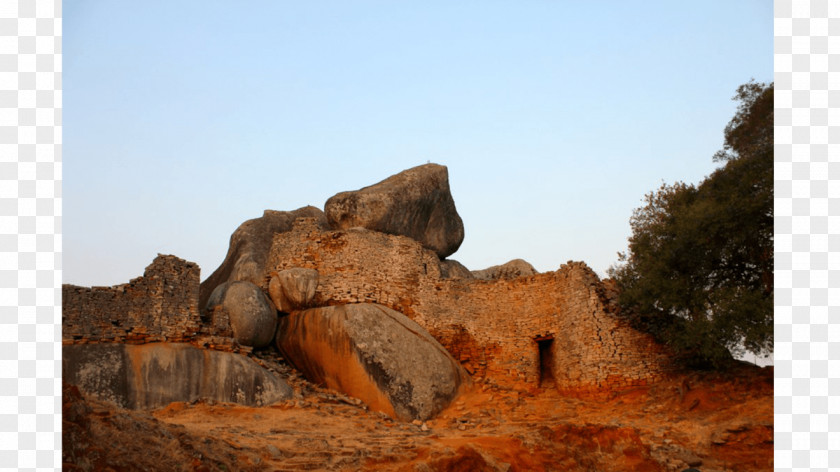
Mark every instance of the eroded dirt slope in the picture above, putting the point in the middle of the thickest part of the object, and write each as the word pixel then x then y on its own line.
pixel 718 422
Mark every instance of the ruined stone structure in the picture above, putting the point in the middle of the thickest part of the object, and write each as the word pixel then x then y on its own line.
pixel 506 324
pixel 104 328
pixel 527 330
pixel 162 305
pixel 556 326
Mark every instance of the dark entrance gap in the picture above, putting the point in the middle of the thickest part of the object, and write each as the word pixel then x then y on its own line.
pixel 546 360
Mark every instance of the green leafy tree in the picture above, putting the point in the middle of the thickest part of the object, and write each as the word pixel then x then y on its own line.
pixel 698 273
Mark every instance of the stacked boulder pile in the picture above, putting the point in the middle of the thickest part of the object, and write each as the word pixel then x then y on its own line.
pixel 366 350
pixel 362 298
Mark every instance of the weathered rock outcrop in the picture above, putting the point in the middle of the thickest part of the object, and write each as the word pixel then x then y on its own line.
pixel 414 203
pixel 293 289
pixel 452 269
pixel 249 245
pixel 153 375
pixel 375 354
pixel 508 270
pixel 252 316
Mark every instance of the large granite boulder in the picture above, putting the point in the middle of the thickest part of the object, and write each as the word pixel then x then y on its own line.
pixel 252 316
pixel 452 269
pixel 508 270
pixel 375 354
pixel 249 245
pixel 153 375
pixel 293 289
pixel 414 203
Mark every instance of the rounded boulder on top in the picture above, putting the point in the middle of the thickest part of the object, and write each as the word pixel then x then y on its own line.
pixel 508 270
pixel 416 203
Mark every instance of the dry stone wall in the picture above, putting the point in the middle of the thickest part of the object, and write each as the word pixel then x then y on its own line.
pixel 494 327
pixel 160 306
pixel 521 331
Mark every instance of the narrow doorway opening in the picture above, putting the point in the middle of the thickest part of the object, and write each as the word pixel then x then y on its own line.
pixel 546 361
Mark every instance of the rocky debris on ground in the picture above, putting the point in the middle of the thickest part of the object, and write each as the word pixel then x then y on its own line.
pixel 96 436
pixel 416 203
pixel 249 245
pixel 373 353
pixel 251 315
pixel 293 289
pixel 508 270
pixel 646 429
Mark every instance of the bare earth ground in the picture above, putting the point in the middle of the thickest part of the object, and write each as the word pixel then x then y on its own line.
pixel 714 421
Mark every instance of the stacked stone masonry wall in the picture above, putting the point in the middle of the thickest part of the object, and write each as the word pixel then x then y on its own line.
pixel 162 305
pixel 492 327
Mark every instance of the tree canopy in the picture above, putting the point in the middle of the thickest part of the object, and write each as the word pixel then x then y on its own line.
pixel 698 273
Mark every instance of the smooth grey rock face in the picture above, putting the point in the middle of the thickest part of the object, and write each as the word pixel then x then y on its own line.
pixel 249 246
pixel 375 354
pixel 253 318
pixel 508 270
pixel 153 375
pixel 293 289
pixel 416 203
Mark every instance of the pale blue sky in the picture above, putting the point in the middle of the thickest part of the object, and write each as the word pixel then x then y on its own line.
pixel 184 119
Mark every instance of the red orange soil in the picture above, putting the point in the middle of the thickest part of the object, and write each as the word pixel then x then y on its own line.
pixel 722 421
